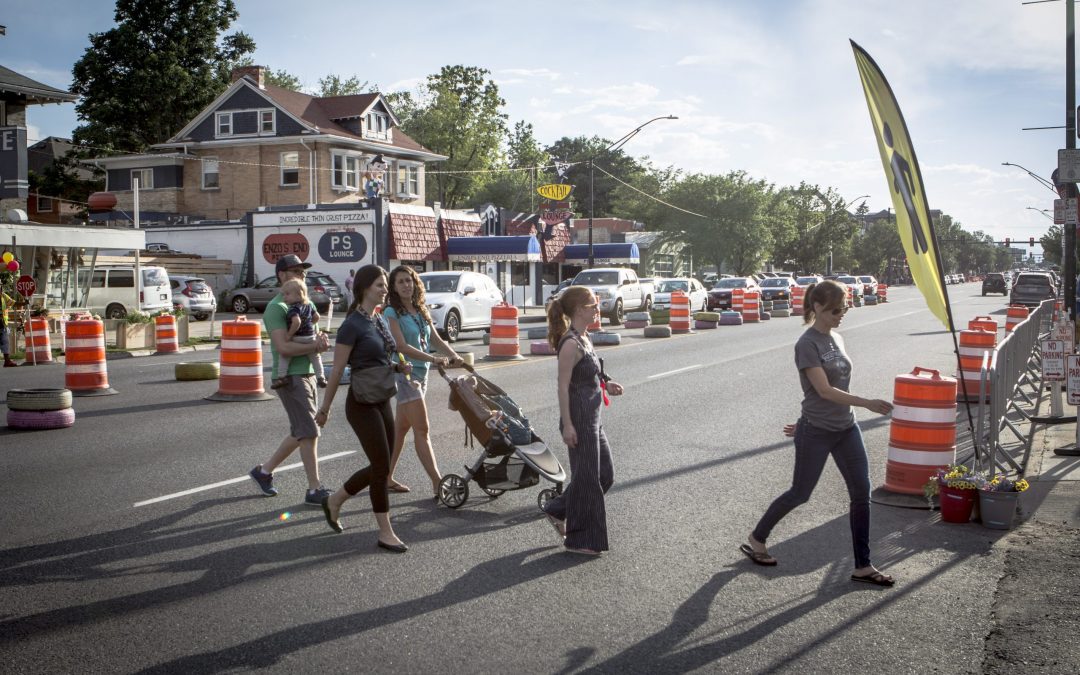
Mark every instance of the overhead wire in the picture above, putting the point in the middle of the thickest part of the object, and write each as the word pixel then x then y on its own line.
pixel 646 194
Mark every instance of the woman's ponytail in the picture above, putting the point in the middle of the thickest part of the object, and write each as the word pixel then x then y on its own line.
pixel 557 323
pixel 808 304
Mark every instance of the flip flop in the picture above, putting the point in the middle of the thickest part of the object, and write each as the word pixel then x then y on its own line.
pixel 398 487
pixel 763 559
pixel 876 579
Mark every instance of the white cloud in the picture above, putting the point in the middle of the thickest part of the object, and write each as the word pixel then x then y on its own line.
pixel 531 73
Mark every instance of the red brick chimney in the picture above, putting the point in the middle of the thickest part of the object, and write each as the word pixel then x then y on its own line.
pixel 254 73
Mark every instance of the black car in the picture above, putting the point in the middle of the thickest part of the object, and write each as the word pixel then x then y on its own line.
pixel 995 282
pixel 778 288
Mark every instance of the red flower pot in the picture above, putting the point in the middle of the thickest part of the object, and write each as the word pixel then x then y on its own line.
pixel 956 505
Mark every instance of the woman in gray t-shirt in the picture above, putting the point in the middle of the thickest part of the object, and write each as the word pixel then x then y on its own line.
pixel 826 427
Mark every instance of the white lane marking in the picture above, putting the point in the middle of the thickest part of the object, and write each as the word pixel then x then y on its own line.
pixel 241 479
pixel 673 372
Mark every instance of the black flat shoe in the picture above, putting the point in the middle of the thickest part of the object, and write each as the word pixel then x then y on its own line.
pixel 393 548
pixel 330 520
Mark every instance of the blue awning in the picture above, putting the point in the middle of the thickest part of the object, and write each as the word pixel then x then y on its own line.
pixel 604 254
pixel 493 249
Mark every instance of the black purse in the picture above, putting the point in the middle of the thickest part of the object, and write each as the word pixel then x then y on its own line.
pixel 377 384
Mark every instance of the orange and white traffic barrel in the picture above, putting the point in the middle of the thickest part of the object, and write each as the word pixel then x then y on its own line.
pixel 241 362
pixel 850 296
pixel 165 334
pixel 974 344
pixel 882 293
pixel 594 327
pixel 984 323
pixel 680 312
pixel 751 310
pixel 38 346
pixel 1013 316
pixel 922 435
pixel 84 355
pixel 737 299
pixel 798 296
pixel 504 345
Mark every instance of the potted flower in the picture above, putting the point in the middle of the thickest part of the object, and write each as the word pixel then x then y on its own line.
pixel 956 487
pixel 135 331
pixel 998 497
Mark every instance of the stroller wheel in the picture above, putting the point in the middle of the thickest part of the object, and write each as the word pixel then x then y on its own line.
pixel 545 496
pixel 453 490
pixel 492 492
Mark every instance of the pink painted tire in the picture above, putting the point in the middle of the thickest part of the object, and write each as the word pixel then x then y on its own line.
pixel 41 419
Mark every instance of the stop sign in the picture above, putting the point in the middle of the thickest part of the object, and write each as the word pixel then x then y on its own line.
pixel 25 285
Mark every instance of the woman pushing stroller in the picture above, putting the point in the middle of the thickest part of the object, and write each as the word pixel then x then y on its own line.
pixel 579 514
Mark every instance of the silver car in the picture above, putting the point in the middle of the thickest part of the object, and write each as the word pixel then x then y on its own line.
pixel 460 301
pixel 194 295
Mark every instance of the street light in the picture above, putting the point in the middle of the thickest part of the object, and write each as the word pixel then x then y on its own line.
pixel 614 146
pixel 1042 181
pixel 1045 212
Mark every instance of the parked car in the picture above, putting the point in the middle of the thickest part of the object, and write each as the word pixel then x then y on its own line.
pixel 995 282
pixel 807 280
pixel 460 301
pixel 869 284
pixel 618 289
pixel 110 291
pixel 778 288
pixel 322 291
pixel 563 285
pixel 1031 288
pixel 699 297
pixel 720 295
pixel 851 282
pixel 194 295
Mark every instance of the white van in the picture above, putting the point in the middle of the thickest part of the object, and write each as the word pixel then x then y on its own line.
pixel 112 290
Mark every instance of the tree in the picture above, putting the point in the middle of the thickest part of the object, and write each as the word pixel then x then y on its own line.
pixel 332 85
pixel 458 114
pixel 1051 246
pixel 62 179
pixel 165 61
pixel 578 151
pixel 514 186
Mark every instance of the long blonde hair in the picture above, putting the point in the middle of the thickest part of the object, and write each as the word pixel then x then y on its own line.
pixel 829 294
pixel 561 309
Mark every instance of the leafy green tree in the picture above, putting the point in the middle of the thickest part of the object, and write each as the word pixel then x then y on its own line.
pixel 458 113
pixel 64 180
pixel 333 85
pixel 877 246
pixel 514 186
pixel 163 62
pixel 1051 245
pixel 578 151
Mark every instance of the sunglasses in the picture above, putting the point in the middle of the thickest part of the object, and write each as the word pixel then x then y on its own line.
pixel 589 304
pixel 839 311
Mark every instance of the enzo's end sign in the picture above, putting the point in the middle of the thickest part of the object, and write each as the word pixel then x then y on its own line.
pixel 347 247
pixel 1072 379
pixel 1053 360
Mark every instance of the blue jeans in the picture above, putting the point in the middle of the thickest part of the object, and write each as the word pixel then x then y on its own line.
pixel 812 447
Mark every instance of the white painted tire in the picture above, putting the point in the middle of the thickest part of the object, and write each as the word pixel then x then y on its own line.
pixel 636 316
pixel 782 313
pixel 605 338
pixel 38 399
pixel 634 324
pixel 199 370
pixel 657 331
pixel 41 419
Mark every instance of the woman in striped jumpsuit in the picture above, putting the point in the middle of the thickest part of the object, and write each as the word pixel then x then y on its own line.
pixel 579 514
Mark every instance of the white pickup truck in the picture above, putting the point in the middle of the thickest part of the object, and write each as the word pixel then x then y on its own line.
pixel 618 289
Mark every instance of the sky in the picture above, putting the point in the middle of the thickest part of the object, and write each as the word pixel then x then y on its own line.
pixel 768 87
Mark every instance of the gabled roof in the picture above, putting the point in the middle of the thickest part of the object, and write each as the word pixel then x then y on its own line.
pixel 34 91
pixel 46 151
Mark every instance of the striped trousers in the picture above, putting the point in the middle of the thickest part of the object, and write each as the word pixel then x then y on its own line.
pixel 581 505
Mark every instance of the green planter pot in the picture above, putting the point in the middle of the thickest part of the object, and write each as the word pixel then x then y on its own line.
pixel 998 509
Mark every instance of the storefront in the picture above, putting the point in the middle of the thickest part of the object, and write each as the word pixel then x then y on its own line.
pixel 514 263
pixel 604 255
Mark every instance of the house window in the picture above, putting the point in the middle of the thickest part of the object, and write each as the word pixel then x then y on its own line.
pixel 290 168
pixel 266 121
pixel 210 175
pixel 408 180
pixel 224 124
pixel 377 125
pixel 44 204
pixel 346 172
pixel 145 178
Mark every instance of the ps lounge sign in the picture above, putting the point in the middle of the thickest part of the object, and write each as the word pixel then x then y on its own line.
pixel 338 236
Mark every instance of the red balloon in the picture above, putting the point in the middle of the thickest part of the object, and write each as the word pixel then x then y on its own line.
pixel 13 266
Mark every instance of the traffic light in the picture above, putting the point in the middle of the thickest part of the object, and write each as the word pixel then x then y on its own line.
pixel 1031 242
pixel 1007 242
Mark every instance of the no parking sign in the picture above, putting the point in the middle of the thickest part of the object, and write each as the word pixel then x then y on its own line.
pixel 1072 378
pixel 1053 360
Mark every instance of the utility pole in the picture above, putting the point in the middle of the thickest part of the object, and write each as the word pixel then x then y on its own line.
pixel 1068 265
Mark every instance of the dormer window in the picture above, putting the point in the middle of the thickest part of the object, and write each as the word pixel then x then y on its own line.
pixel 224 124
pixel 266 121
pixel 376 125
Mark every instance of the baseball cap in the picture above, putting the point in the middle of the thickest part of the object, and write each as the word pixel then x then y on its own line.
pixel 288 262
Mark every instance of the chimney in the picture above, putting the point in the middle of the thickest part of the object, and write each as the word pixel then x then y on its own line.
pixel 254 73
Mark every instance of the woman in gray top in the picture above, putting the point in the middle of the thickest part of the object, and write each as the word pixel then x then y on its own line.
pixel 826 427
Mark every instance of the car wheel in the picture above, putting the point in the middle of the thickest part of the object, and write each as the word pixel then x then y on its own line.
pixel 240 304
pixel 452 327
pixel 617 314
pixel 202 316
pixel 115 311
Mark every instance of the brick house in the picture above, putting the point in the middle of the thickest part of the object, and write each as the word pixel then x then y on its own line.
pixel 258 145
pixel 50 208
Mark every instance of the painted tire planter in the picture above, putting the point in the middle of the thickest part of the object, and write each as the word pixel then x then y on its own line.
pixel 997 509
pixel 766 305
pixel 729 318
pixel 707 316
pixel 657 331
pixel 41 419
pixel 700 324
pixel 870 299
pixel 541 348
pixel 857 301
pixel 539 333
pixel 634 324
pixel 956 505
pixel 781 304
pixel 602 339
pixel 636 316
pixel 200 370
pixel 660 318
pixel 38 399
pixel 765 316
pixel 783 313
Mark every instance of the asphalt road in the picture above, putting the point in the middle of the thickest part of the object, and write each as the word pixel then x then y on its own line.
pixel 95 579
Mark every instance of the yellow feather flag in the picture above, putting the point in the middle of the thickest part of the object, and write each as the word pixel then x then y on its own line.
pixel 906 185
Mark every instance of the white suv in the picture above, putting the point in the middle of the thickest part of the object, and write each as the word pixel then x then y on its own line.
pixel 460 301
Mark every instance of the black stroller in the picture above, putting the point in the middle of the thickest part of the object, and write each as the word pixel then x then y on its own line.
pixel 513 457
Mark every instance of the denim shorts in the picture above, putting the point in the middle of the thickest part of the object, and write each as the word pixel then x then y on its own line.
pixel 408 391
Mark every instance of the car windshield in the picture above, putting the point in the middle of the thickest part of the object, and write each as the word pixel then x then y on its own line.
pixel 995 277
pixel 198 286
pixel 846 280
pixel 442 283
pixel 1032 280
pixel 773 283
pixel 319 280
pixel 804 281
pixel 669 285
pixel 154 276
pixel 596 279
pixel 734 282
pixel 867 280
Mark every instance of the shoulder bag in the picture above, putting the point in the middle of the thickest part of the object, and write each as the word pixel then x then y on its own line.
pixel 376 384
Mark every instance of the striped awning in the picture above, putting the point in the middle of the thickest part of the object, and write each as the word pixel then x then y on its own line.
pixel 493 249
pixel 604 254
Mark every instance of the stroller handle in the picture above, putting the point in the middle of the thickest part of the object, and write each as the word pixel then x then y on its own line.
pixel 442 369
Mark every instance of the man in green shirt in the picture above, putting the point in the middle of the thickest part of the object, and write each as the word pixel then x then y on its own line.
pixel 298 396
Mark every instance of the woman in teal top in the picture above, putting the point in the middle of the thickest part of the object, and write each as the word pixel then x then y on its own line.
pixel 417 338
